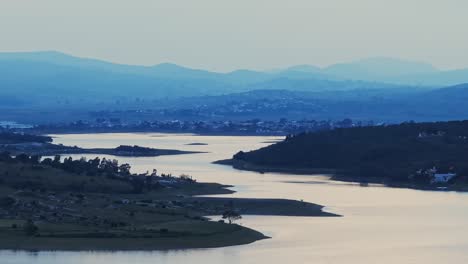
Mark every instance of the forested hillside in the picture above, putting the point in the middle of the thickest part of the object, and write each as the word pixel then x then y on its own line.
pixel 388 153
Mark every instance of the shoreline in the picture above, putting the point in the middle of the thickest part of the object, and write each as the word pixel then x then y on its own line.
pixel 166 219
pixel 336 175
pixel 236 235
pixel 239 236
pixel 49 149
pixel 136 131
pixel 83 211
pixel 242 165
pixel 269 206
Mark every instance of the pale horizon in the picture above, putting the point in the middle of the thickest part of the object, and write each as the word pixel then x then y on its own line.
pixel 257 35
pixel 225 71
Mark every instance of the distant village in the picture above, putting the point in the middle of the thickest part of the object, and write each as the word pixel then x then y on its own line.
pixel 247 127
pixel 435 176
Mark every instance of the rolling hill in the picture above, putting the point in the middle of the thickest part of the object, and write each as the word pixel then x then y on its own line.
pixel 53 78
pixel 57 85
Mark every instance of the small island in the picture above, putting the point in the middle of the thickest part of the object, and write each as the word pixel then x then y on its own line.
pixel 196 144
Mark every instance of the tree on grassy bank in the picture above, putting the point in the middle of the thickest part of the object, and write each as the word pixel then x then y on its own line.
pixel 81 175
pixel 231 215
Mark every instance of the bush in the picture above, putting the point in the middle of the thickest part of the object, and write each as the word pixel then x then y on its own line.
pixel 7 202
pixel 30 228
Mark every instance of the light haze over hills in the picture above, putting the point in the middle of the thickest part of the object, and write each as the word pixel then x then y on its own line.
pixel 385 70
pixel 368 88
pixel 244 34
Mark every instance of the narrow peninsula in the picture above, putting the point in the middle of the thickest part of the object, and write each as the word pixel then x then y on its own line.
pixel 16 143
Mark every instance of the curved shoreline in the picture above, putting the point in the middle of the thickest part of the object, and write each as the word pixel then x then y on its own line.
pixel 238 236
pixel 242 165
pixel 231 234
pixel 336 175
pixel 186 228
pixel 48 149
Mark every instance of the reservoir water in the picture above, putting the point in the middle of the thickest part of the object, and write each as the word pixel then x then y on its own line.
pixel 379 225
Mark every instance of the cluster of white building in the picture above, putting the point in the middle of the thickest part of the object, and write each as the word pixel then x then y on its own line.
pixel 439 177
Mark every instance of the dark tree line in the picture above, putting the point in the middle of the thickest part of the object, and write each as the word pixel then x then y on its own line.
pixel 91 167
pixel 97 167
pixel 392 152
pixel 15 138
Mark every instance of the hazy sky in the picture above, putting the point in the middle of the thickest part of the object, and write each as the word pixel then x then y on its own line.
pixel 224 35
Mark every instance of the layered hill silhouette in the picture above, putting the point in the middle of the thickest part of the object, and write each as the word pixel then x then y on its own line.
pixel 371 88
pixel 30 76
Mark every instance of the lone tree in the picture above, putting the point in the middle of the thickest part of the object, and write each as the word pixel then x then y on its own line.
pixel 231 216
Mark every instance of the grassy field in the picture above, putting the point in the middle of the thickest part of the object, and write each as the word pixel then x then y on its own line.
pixel 181 234
pixel 21 175
pixel 82 212
pixel 50 206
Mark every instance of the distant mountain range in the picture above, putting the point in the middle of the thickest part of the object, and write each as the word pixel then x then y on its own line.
pixel 374 69
pixel 386 70
pixel 53 80
pixel 42 78
pixel 64 75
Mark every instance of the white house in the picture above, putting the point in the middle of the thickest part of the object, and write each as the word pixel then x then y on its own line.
pixel 442 177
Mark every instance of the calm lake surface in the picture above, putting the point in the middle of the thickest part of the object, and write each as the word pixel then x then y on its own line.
pixel 380 225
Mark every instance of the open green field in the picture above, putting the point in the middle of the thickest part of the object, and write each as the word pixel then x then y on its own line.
pixel 70 211
pixel 99 205
pixel 180 234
